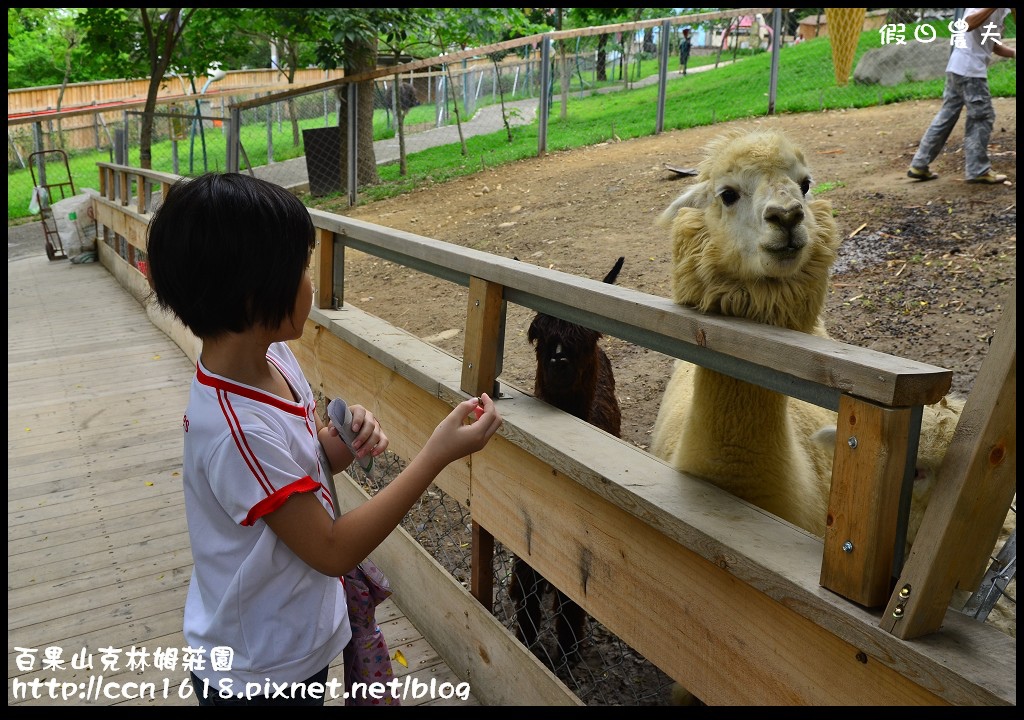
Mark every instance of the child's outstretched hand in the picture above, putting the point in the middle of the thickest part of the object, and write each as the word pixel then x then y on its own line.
pixel 454 438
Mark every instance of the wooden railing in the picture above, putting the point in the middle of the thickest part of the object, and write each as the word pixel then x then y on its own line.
pixel 735 604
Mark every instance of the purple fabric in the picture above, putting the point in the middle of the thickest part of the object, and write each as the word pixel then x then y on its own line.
pixel 367 659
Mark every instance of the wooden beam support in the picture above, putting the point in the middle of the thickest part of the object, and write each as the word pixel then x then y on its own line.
pixel 324 268
pixel 867 474
pixel 482 566
pixel 973 490
pixel 483 337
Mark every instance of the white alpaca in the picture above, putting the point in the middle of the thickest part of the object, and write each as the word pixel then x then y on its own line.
pixel 749 241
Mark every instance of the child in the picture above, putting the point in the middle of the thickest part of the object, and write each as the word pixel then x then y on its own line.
pixel 229 256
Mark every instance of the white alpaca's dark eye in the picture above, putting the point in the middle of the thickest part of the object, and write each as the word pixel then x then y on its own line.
pixel 729 196
pixel 805 185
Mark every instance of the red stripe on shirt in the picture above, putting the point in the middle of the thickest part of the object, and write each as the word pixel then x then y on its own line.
pixel 251 393
pixel 272 502
pixel 238 436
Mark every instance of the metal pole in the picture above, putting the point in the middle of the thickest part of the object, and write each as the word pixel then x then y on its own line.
pixel 353 148
pixel 659 124
pixel 37 142
pixel 545 94
pixel 773 83
pixel 270 133
pixel 234 140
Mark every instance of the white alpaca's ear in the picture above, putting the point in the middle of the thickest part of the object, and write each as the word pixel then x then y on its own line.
pixel 697 197
pixel 825 438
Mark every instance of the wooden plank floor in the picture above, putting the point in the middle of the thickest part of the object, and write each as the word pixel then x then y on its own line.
pixel 97 547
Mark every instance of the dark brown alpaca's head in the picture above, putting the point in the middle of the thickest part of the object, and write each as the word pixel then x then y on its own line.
pixel 569 362
pixel 565 354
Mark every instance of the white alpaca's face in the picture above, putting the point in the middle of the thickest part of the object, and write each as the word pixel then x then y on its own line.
pixel 753 194
pixel 760 204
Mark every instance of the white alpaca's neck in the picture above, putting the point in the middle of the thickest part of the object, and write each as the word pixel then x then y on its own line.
pixel 757 454
pixel 727 412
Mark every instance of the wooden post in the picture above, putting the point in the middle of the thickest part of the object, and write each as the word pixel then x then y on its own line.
pixel 973 490
pixel 140 193
pixel 479 371
pixel 325 269
pixel 867 474
pixel 125 185
pixel 483 337
pixel 482 578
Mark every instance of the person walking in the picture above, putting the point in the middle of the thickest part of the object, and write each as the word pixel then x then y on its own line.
pixel 967 86
pixel 684 50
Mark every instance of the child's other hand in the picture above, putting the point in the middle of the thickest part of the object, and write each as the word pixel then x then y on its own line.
pixel 370 439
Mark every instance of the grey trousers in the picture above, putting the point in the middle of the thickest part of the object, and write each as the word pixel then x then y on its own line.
pixel 961 92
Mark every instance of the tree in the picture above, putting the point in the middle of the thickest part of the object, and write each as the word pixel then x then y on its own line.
pixel 136 42
pixel 72 38
pixel 44 47
pixel 49 44
pixel 294 33
pixel 587 17
pixel 408 30
pixel 462 28
pixel 350 40
pixel 148 42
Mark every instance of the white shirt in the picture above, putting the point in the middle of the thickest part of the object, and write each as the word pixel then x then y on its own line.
pixel 246 452
pixel 973 60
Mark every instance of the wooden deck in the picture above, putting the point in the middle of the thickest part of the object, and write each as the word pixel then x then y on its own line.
pixel 97 547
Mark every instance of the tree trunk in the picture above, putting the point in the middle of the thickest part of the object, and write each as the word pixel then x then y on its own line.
pixel 648 45
pixel 360 57
pixel 146 131
pixel 501 96
pixel 455 106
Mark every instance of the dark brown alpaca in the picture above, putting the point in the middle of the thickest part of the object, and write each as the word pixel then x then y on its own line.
pixel 575 375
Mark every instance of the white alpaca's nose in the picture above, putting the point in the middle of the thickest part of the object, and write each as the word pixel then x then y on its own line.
pixel 786 216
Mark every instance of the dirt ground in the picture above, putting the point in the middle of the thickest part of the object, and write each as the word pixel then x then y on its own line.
pixel 922 273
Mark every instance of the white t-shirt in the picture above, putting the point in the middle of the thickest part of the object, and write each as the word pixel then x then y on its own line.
pixel 973 60
pixel 246 452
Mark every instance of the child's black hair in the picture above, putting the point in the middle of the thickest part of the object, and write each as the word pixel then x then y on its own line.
pixel 226 252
